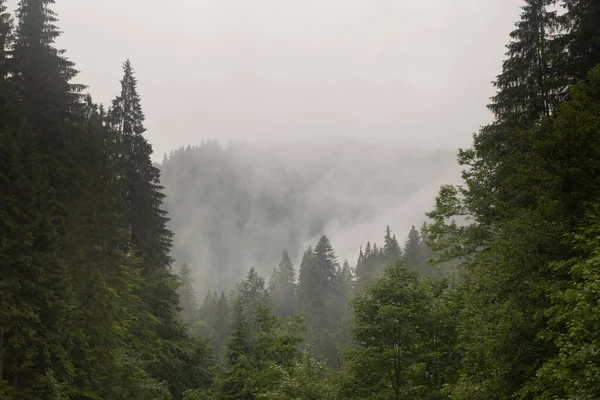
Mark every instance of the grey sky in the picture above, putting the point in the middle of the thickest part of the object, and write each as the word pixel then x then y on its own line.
pixel 417 72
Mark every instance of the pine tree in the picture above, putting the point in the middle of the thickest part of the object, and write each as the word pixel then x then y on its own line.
pixel 146 220
pixel 158 329
pixel 530 86
pixel 206 315
pixel 305 279
pixel 412 249
pixel 187 296
pixel 320 296
pixel 391 249
pixel 582 36
pixel 239 349
pixel 345 279
pixel 282 287
pixel 253 292
pixel 220 326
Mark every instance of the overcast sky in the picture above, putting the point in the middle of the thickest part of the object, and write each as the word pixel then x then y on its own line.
pixel 415 72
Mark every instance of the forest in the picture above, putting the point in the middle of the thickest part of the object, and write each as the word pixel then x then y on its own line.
pixel 495 294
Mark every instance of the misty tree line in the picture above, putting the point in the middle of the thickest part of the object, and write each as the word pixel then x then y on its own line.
pixel 89 307
pixel 320 288
pixel 236 206
pixel 291 337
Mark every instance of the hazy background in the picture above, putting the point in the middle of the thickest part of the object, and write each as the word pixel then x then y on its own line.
pixel 332 99
pixel 241 206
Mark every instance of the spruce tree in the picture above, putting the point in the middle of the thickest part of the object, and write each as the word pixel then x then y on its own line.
pixel 306 282
pixel 282 287
pixel 145 217
pixel 253 292
pixel 220 326
pixel 320 296
pixel 391 248
pixel 187 296
pixel 158 329
pixel 530 84
pixel 412 249
pixel 582 36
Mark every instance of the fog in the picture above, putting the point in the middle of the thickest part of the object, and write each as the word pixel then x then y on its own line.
pixel 239 207
pixel 415 73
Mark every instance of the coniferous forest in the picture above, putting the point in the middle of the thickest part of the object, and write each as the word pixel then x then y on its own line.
pixel 495 296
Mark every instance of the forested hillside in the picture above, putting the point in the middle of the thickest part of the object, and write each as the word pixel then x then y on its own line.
pixel 241 206
pixel 493 294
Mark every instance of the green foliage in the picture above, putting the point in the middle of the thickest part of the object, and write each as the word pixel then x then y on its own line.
pixel 187 296
pixel 404 338
pixel 582 36
pixel 307 380
pixel 282 287
pixel 574 371
pixel 261 348
pixel 322 299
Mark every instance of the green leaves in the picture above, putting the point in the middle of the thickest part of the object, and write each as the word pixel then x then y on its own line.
pixel 404 338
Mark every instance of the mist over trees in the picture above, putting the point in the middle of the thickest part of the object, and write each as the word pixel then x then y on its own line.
pixel 493 294
pixel 241 206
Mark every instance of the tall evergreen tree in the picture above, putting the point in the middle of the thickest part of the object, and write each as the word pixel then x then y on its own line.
pixel 220 326
pixel 582 36
pixel 253 292
pixel 412 249
pixel 158 329
pixel 282 287
pixel 305 280
pixel 320 296
pixel 391 249
pixel 146 220
pixel 187 296
pixel 530 84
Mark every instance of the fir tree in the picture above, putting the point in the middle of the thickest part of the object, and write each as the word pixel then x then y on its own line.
pixel 187 296
pixel 253 292
pixel 582 36
pixel 320 296
pixel 220 326
pixel 146 220
pixel 282 287
pixel 391 249
pixel 412 249
pixel 529 85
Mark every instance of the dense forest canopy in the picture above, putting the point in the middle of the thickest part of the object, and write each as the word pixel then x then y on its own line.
pixel 492 294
